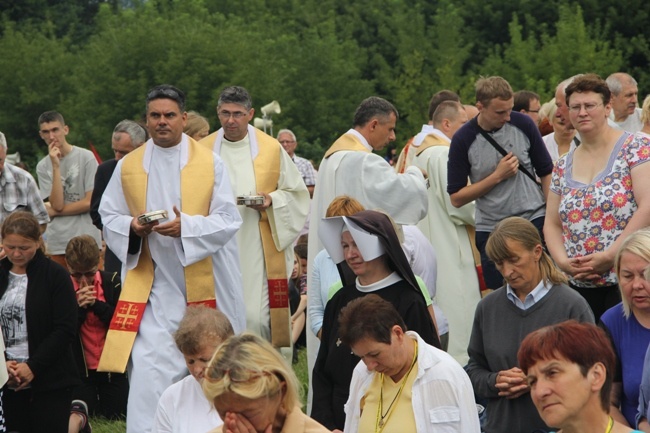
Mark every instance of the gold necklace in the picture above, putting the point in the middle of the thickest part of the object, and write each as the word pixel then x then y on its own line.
pixel 610 424
pixel 382 418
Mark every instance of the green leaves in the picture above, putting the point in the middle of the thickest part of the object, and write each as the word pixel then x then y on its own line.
pixel 94 60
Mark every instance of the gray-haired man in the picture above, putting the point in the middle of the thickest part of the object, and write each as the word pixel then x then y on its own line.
pixel 127 136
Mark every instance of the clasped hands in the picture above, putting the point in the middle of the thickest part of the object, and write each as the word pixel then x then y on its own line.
pixel 512 383
pixel 589 267
pixel 86 296
pixel 20 375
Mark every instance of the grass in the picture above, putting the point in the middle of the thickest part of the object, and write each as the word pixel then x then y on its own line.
pixel 101 425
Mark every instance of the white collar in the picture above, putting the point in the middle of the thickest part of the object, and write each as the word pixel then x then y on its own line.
pixel 385 282
pixel 252 137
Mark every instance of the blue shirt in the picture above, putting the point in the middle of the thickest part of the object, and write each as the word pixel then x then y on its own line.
pixel 532 298
pixel 630 341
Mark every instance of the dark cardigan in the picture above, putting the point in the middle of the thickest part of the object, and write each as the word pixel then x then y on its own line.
pixel 51 310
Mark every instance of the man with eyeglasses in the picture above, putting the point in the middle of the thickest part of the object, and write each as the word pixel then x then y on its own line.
pixel 287 139
pixel 127 136
pixel 625 93
pixel 188 257
pixel 527 102
pixel 273 203
pixel 66 178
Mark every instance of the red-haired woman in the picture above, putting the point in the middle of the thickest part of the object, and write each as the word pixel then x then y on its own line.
pixel 570 368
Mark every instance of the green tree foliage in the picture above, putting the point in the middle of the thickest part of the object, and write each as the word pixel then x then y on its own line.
pixel 537 61
pixel 33 65
pixel 94 60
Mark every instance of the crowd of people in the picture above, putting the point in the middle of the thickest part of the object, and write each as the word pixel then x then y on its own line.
pixel 494 277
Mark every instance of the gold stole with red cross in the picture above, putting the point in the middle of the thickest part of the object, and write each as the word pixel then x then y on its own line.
pixel 197 180
pixel 267 174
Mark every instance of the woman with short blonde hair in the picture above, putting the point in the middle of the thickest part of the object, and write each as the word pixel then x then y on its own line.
pixel 628 324
pixel 196 126
pixel 248 376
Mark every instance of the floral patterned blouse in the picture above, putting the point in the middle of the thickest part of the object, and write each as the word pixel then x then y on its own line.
pixel 594 215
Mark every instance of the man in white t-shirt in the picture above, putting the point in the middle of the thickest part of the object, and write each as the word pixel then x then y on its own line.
pixel 66 178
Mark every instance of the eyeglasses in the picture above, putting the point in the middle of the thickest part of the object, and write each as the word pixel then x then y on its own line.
pixel 287 141
pixel 238 375
pixel 225 115
pixel 88 275
pixel 589 107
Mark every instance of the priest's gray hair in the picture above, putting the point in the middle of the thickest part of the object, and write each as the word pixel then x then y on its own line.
pixel 235 95
pixel 166 91
pixel 374 107
pixel 3 141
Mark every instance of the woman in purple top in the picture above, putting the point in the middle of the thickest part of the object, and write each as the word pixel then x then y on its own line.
pixel 628 324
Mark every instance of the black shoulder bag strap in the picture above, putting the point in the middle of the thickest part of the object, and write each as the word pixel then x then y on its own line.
pixel 503 152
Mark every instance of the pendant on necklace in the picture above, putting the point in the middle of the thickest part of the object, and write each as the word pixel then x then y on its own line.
pixel 338 342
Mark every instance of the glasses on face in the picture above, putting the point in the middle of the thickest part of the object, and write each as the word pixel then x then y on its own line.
pixel 287 141
pixel 589 107
pixel 225 115
pixel 87 275
pixel 237 375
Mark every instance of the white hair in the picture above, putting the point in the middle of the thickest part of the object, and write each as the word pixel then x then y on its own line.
pixel 616 80
pixel 3 141
pixel 287 131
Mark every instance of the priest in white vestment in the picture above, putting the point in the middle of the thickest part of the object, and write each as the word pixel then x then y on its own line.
pixel 258 165
pixel 351 168
pixel 408 152
pixel 446 228
pixel 175 245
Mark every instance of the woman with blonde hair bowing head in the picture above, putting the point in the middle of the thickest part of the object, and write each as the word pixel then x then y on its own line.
pixel 254 390
pixel 569 367
pixel 628 324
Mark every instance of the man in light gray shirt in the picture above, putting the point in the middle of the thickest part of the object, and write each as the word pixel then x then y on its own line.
pixel 66 179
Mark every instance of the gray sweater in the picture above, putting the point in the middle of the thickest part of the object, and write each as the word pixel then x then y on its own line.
pixel 498 330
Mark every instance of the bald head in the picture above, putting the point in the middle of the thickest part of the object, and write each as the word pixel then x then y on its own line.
pixel 562 109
